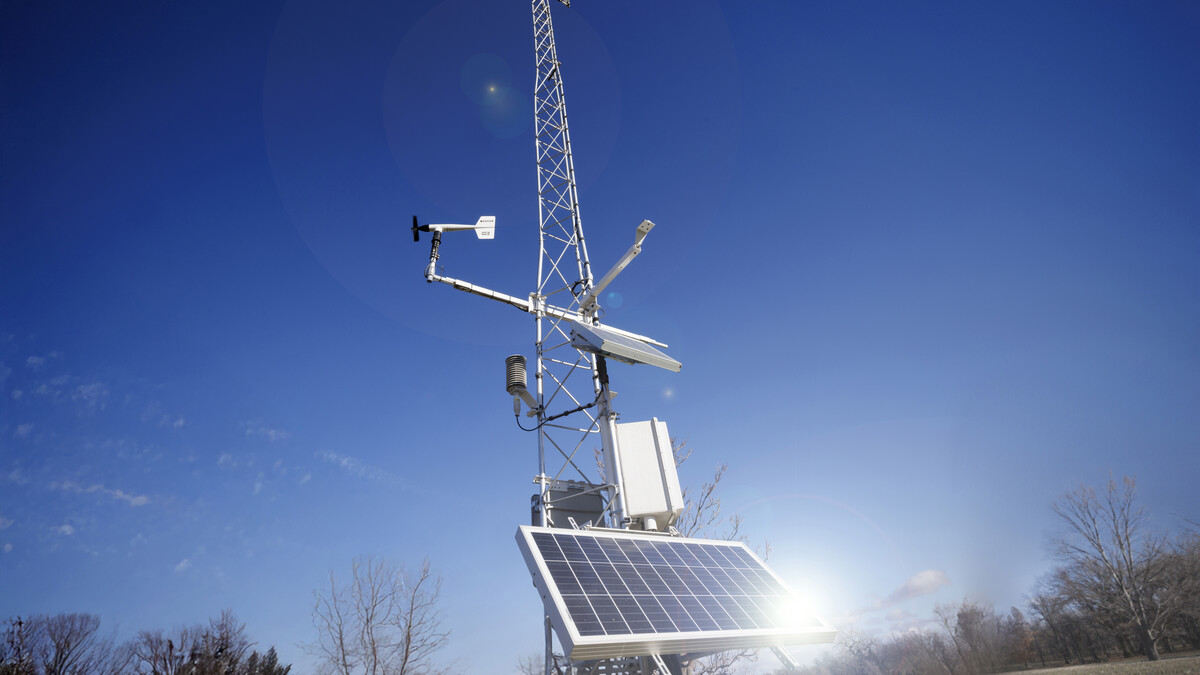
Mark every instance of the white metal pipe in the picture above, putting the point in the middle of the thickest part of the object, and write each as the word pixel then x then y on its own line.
pixel 528 306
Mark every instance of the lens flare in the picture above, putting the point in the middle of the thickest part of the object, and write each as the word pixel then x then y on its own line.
pixel 484 74
pixel 797 610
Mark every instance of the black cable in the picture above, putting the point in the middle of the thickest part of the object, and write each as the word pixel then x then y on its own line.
pixel 517 417
pixel 561 414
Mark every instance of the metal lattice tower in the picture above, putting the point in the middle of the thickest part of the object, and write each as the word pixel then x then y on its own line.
pixel 565 376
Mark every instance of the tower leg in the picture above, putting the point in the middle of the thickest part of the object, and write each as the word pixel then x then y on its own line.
pixel 549 656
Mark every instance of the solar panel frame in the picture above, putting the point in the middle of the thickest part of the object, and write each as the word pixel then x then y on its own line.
pixel 616 593
pixel 603 340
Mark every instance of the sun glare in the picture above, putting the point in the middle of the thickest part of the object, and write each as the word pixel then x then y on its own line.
pixel 796 611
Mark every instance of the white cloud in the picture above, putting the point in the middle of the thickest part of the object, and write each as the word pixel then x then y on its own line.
pixel 356 467
pixel 129 448
pixel 257 486
pixel 23 430
pixel 183 565
pixel 154 411
pixel 65 529
pixel 98 488
pixel 15 476
pixel 17 394
pixel 134 500
pixel 52 388
pixel 257 428
pixel 171 421
pixel 226 459
pixel 5 522
pixel 922 583
pixel 92 395
pixel 35 362
pixel 151 410
pixel 307 477
pixel 7 547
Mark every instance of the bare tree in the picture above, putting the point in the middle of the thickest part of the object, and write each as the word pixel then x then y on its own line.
pixel 1187 570
pixel 157 653
pixel 908 652
pixel 17 649
pixel 63 644
pixel 1115 561
pixel 947 616
pixel 219 648
pixel 533 664
pixel 1019 637
pixel 71 644
pixel 1049 606
pixel 383 622
pixel 215 649
pixel 66 641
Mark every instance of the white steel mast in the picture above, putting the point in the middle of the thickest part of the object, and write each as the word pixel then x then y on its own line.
pixel 566 376
pixel 564 279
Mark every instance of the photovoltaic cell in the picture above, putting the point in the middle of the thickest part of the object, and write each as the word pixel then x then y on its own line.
pixel 623 591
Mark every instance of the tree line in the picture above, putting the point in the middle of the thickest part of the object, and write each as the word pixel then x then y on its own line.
pixel 72 644
pixel 1122 589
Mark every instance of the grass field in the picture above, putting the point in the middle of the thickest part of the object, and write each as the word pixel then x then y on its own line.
pixel 1167 666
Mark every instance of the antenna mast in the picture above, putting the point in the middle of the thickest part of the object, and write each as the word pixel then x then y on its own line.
pixel 564 277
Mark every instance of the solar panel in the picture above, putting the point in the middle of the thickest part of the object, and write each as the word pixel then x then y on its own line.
pixel 613 345
pixel 623 593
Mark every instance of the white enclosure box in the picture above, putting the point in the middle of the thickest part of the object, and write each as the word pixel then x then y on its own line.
pixel 648 476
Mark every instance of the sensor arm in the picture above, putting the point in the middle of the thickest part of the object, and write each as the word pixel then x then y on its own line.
pixel 587 303
pixel 526 304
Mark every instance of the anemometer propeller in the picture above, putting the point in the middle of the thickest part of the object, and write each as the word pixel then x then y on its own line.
pixel 485 228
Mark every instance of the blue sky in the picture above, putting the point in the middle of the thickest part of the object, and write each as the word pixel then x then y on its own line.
pixel 926 265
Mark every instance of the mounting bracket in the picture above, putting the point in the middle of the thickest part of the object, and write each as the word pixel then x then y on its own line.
pixel 790 664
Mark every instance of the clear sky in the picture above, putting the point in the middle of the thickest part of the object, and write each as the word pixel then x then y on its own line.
pixel 927 266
